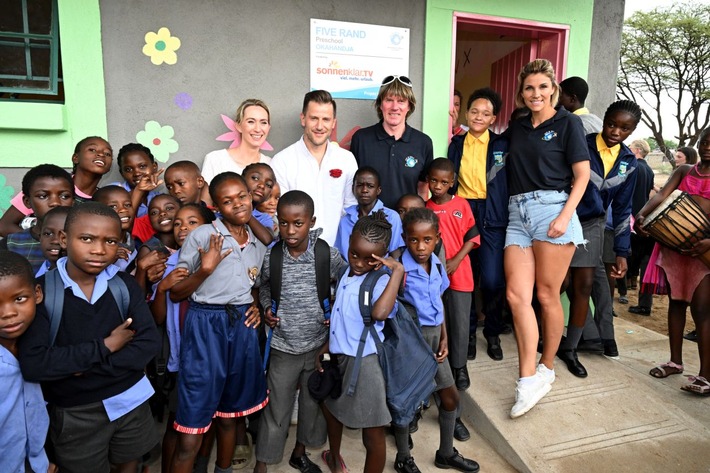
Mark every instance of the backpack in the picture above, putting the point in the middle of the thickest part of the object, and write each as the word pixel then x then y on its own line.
pixel 276 263
pixel 54 299
pixel 407 361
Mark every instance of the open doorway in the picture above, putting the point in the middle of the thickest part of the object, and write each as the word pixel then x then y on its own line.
pixel 490 51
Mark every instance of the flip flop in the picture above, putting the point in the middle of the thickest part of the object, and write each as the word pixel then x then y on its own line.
pixel 662 371
pixel 698 385
pixel 324 456
pixel 242 455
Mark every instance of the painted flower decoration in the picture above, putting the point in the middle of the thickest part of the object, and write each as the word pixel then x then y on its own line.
pixel 336 173
pixel 6 194
pixel 234 136
pixel 161 47
pixel 159 139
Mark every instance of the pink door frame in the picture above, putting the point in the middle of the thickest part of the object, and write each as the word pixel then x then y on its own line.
pixel 547 40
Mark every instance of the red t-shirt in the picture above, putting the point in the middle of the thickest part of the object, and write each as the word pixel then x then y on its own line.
pixel 455 220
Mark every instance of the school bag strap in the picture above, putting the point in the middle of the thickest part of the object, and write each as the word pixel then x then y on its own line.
pixel 365 301
pixel 322 255
pixel 54 299
pixel 276 266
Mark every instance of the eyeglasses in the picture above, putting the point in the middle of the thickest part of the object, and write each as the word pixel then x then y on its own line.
pixel 404 80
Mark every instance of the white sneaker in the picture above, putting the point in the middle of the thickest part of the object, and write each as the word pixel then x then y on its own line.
pixel 546 373
pixel 528 394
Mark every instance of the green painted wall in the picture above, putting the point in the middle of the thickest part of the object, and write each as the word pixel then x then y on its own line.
pixel 36 133
pixel 437 48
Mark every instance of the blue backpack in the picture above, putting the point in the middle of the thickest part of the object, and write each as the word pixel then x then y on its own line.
pixel 54 299
pixel 407 361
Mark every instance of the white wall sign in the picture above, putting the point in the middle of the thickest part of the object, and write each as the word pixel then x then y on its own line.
pixel 350 59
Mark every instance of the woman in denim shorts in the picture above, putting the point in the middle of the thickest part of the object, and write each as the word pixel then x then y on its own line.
pixel 548 154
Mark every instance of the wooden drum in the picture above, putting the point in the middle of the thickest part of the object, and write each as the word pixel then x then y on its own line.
pixel 679 223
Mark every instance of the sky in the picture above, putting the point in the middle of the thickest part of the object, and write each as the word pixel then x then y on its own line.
pixel 630 7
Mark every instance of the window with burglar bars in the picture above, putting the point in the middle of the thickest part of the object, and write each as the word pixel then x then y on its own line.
pixel 30 62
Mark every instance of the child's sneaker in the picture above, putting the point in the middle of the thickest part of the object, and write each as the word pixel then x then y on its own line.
pixel 546 373
pixel 528 393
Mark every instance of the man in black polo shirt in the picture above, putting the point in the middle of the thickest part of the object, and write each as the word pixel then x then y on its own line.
pixel 398 152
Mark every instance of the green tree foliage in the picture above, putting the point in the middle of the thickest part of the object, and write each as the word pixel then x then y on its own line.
pixel 665 68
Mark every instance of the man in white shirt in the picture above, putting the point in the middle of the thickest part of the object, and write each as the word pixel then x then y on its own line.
pixel 318 167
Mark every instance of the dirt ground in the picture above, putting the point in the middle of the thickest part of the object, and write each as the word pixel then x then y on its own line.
pixel 657 321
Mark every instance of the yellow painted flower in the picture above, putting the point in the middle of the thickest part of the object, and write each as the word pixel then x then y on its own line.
pixel 161 47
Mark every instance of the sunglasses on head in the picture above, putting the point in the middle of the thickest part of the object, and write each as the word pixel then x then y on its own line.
pixel 402 79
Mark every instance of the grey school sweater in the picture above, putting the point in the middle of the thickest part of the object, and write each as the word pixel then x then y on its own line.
pixel 301 328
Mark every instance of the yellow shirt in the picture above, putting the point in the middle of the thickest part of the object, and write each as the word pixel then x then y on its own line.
pixel 472 174
pixel 607 154
pixel 581 111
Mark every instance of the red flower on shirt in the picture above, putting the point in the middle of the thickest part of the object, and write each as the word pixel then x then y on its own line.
pixel 336 173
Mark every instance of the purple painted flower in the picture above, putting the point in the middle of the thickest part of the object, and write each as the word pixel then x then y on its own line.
pixel 183 100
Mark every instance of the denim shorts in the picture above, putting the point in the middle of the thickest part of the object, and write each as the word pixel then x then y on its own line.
pixel 530 215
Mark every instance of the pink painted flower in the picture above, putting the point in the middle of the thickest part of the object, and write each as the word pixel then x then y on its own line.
pixel 234 136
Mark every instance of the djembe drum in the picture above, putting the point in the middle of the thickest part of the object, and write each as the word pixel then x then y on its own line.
pixel 679 223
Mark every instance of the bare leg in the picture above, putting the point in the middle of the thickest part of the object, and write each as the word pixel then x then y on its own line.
pixel 335 436
pixel 700 310
pixel 185 452
pixel 376 447
pixel 226 441
pixel 519 264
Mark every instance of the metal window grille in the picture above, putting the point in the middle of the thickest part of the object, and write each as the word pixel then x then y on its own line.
pixel 29 50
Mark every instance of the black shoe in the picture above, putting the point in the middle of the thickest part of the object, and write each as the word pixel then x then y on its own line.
pixel 406 466
pixel 591 346
pixel 456 461
pixel 573 364
pixel 692 336
pixel 471 353
pixel 638 310
pixel 461 378
pixel 304 464
pixel 507 329
pixel 461 433
pixel 494 349
pixel 610 349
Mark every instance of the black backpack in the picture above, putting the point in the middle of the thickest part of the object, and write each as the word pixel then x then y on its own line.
pixel 407 361
pixel 276 264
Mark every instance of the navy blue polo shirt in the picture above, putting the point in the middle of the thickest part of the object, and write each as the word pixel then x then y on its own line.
pixel 541 158
pixel 401 163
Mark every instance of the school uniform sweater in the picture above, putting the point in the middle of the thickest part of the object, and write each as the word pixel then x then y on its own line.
pixel 496 179
pixel 616 188
pixel 79 369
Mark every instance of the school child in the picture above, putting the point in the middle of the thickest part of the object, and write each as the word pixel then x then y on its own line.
pixel 613 168
pixel 22 408
pixel 52 224
pixel 43 187
pixel 299 332
pixel 139 170
pixel 224 260
pixel 92 159
pixel 460 235
pixel 479 162
pixel 92 371
pixel 424 284
pixel 184 182
pixel 172 316
pixel 367 408
pixel 687 277
pixel 269 206
pixel 119 200
pixel 161 213
pixel 366 188
pixel 414 201
pixel 260 180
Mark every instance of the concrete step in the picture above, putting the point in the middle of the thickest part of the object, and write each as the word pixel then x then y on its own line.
pixel 618 419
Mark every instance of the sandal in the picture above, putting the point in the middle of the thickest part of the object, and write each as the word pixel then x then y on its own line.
pixel 242 455
pixel 698 385
pixel 326 455
pixel 662 371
